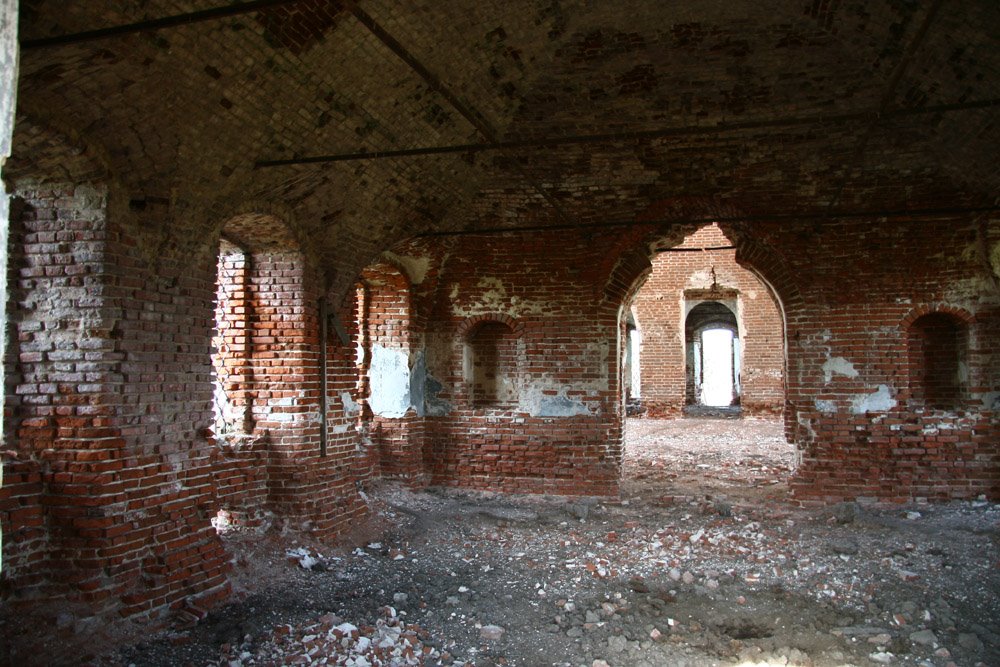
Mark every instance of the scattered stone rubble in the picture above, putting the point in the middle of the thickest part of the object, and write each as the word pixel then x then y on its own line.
pixel 692 567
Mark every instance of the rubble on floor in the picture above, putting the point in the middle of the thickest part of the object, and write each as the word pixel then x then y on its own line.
pixel 693 566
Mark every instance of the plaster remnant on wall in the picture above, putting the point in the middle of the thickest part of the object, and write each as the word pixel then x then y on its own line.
pixel 418 380
pixel 493 298
pixel 350 407
pixel 415 267
pixel 826 405
pixel 389 379
pixel 560 405
pixel 359 354
pixel 879 401
pixel 341 428
pixel 838 366
pixel 705 280
pixel 433 405
pixel 991 400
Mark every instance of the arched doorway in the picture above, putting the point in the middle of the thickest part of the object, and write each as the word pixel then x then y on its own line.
pixel 712 342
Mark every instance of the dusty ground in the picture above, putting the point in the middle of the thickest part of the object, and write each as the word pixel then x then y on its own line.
pixel 703 562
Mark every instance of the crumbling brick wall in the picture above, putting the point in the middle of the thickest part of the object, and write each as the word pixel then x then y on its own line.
pixel 703 261
pixel 119 474
pixel 392 353
pixel 553 420
pixel 852 290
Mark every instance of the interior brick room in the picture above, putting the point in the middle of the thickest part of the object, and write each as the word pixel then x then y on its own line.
pixel 265 255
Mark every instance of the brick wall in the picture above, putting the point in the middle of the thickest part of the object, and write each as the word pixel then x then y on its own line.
pixel 110 389
pixel 391 346
pixel 852 293
pixel 112 374
pixel 119 475
pixel 543 311
pixel 660 312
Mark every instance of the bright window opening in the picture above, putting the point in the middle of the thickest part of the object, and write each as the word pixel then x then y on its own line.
pixel 718 356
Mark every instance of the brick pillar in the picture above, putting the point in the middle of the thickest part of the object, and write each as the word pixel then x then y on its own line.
pixel 311 490
pixel 112 493
pixel 8 86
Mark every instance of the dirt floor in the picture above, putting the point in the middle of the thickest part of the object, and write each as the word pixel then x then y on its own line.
pixel 704 561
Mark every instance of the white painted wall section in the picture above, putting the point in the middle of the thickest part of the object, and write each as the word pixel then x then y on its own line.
pixel 389 380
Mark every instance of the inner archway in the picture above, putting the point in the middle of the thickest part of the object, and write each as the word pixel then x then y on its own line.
pixel 712 340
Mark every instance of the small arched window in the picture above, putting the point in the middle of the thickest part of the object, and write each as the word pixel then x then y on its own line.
pixel 937 345
pixel 491 364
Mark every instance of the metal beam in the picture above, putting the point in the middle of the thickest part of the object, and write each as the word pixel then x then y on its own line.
pixel 917 214
pixel 174 21
pixel 467 111
pixel 626 136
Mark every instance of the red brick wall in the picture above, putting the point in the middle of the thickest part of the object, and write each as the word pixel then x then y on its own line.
pixel 557 298
pixel 231 344
pixel 852 290
pixel 119 477
pixel 660 309
pixel 392 424
pixel 110 391
pixel 113 371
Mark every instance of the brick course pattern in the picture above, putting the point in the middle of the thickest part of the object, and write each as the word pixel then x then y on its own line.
pixel 848 151
pixel 660 309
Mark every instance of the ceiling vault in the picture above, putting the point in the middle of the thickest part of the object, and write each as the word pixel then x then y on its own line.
pixel 625 136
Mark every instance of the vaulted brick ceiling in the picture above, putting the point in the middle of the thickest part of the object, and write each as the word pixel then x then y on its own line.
pixel 766 107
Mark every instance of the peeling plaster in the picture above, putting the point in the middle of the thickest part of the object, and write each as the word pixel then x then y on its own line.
pixel 493 298
pixel 389 377
pixel 434 406
pixel 539 404
pixel 991 400
pixel 415 267
pixel 879 401
pixel 838 366
pixel 350 407
pixel 825 405
pixel 418 381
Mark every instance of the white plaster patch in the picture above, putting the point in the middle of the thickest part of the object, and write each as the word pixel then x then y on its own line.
pixel 991 400
pixel 341 428
pixel 825 405
pixel 350 407
pixel 389 379
pixel 879 401
pixel 359 354
pixel 963 372
pixel 415 267
pixel 493 298
pixel 838 366
pixel 539 404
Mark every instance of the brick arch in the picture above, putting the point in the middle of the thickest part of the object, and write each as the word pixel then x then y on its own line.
pixel 766 264
pixel 627 277
pixel 386 267
pixel 939 308
pixel 469 325
pixel 260 230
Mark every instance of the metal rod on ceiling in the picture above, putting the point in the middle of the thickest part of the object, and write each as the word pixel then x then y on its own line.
pixel 213 14
pixel 628 136
pixel 925 213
